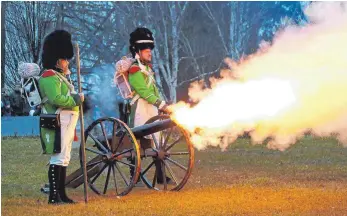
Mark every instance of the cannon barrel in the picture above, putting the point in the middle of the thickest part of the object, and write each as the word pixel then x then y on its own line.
pixel 147 129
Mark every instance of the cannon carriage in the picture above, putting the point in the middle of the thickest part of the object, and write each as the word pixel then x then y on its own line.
pixel 119 157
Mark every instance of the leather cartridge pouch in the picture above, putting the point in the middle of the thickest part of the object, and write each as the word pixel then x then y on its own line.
pixel 52 122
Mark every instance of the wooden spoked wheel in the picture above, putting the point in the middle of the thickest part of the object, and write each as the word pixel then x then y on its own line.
pixel 113 157
pixel 172 165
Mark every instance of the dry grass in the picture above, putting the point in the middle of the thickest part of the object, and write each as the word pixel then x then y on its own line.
pixel 308 179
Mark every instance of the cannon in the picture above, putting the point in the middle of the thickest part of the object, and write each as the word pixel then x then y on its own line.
pixel 118 158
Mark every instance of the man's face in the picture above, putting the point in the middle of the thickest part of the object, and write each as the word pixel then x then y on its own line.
pixel 63 64
pixel 146 55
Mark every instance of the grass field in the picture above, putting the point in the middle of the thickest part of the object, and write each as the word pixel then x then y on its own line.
pixel 310 178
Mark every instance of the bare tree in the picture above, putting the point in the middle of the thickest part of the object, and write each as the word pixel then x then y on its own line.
pixel 26 24
pixel 3 36
pixel 235 23
pixel 99 28
pixel 202 51
pixel 192 38
pixel 235 29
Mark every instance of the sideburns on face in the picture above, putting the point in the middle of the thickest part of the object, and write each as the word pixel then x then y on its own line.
pixel 145 56
pixel 64 66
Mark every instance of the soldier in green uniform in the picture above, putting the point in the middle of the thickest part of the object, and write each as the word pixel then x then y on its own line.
pixel 146 101
pixel 59 98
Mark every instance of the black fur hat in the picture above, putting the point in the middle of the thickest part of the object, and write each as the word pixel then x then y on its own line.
pixel 138 40
pixel 57 45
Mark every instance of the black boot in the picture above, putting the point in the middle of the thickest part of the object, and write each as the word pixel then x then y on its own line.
pixel 53 177
pixel 159 171
pixel 62 191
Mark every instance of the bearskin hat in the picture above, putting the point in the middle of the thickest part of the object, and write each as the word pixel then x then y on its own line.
pixel 57 45
pixel 141 38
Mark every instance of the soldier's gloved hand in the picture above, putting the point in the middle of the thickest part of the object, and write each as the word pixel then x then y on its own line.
pixel 162 106
pixel 165 109
pixel 78 98
pixel 81 96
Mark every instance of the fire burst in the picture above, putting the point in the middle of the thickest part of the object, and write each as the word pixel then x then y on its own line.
pixel 298 84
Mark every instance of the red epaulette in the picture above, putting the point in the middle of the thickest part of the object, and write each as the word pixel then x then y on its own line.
pixel 134 69
pixel 48 73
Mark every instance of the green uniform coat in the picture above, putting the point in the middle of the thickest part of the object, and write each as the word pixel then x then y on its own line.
pixel 58 95
pixel 138 81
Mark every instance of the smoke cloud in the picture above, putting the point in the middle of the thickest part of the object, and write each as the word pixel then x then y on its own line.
pixel 296 85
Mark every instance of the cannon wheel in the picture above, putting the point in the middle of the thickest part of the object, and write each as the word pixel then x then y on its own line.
pixel 112 158
pixel 175 156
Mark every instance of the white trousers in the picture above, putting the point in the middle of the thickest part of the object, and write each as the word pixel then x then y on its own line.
pixel 68 121
pixel 145 111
